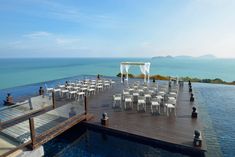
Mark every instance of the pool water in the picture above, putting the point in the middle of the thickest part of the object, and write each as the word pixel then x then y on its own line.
pixel 97 144
pixel 217 107
pixel 21 93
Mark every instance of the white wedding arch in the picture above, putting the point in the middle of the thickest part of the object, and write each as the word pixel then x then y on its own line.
pixel 144 68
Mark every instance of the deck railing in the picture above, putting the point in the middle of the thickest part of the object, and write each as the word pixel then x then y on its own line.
pixel 39 126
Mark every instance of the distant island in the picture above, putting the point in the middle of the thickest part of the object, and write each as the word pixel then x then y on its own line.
pixel 186 79
pixel 208 56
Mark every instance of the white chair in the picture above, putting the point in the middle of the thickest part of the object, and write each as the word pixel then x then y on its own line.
pixel 155 103
pixel 162 93
pixel 72 94
pixel 99 87
pixel 160 99
pixel 57 90
pixel 48 90
pixel 117 99
pixel 80 94
pixel 131 90
pixel 61 86
pixel 106 85
pixel 135 96
pixel 147 97
pixel 90 91
pixel 64 92
pixel 169 107
pixel 69 87
pixel 128 100
pixel 141 91
pixel 141 102
pixel 172 100
pixel 124 93
pixel 112 82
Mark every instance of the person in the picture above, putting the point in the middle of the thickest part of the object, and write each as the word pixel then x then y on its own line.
pixel 66 83
pixel 169 83
pixel 154 80
pixel 123 78
pixel 41 91
pixel 9 100
pixel 98 76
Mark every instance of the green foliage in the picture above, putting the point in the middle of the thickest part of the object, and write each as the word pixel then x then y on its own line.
pixel 186 79
pixel 124 75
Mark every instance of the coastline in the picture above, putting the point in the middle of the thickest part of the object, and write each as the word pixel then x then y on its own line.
pixel 185 79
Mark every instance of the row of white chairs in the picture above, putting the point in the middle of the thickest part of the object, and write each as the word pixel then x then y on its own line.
pixel 80 89
pixel 143 95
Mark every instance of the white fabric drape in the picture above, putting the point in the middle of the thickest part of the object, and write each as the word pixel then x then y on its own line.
pixel 147 68
pixel 144 68
pixel 127 69
pixel 124 68
pixel 143 71
pixel 121 70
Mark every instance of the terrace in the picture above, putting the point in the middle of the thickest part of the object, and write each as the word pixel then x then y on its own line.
pixel 32 123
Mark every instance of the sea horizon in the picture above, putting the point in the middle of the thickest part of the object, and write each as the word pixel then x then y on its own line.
pixel 23 71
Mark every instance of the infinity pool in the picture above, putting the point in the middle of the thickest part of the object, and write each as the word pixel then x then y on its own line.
pixel 96 144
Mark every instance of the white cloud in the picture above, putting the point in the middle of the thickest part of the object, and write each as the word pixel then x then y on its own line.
pixel 146 44
pixel 37 34
pixel 64 41
pixel 45 41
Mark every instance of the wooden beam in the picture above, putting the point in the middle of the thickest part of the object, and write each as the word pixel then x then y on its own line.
pixel 85 102
pixel 32 132
pixel 57 130
pixel 132 63
pixel 53 100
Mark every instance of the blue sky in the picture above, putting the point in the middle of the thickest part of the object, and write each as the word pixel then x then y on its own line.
pixel 116 28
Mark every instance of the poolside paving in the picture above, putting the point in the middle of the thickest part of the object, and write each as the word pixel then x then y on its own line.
pixel 176 130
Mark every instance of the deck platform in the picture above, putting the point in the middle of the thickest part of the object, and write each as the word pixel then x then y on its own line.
pixel 171 131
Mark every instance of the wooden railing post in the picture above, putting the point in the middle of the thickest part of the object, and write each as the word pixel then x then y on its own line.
pixel 53 100
pixel 85 101
pixel 32 131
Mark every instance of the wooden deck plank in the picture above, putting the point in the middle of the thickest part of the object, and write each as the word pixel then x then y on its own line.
pixel 38 103
pixel 177 130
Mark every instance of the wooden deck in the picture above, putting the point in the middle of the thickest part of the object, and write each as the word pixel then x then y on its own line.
pixel 173 131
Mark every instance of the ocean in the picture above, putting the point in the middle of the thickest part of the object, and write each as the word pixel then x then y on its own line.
pixel 18 72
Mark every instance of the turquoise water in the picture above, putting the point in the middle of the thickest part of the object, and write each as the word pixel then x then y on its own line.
pixel 217 107
pixel 16 72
